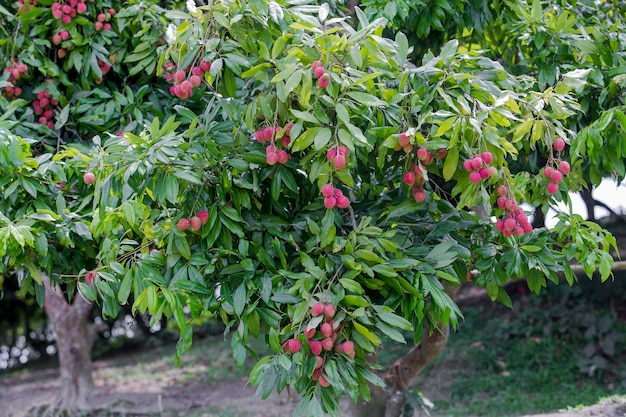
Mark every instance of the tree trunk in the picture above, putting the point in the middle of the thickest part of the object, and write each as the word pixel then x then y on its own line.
pixel 590 203
pixel 74 340
pixel 389 401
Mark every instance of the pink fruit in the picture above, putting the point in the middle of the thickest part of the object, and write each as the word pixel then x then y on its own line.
pixel 419 195
pixel 559 144
pixel 348 348
pixel 477 162
pixel 205 66
pixel 316 346
pixel 183 224
pixel 422 154
pixel 500 225
pixel 268 133
pixel 309 333
pixel 327 191
pixel 323 381
pixel 343 202
pixel 195 80
pixel 564 167
pixel 81 7
pixel 484 173
pixel 528 228
pixel 179 76
pixel 330 155
pixel 509 224
pixel 404 139
pixel 409 178
pixel 65 35
pixel 316 64
pixel 294 345
pixel 317 373
pixel 61 53
pixel 318 72
pixel 510 205
pixel 502 190
pixel 474 176
pixel 467 165
pixel 323 81
pixel 56 39
pixel 283 157
pixel 57 14
pixel 317 309
pixel 326 329
pixel 89 178
pixel 195 222
pixel 329 311
pixel 107 26
pixel 339 161
pixel 327 344
pixel 272 158
pixel 90 277
pixel 518 231
pixel 204 216
pixel 493 171
pixel 98 25
pixel 330 202
pixel 553 188
pixel 556 176
pixel 501 202
pixel 318 362
pixel 342 150
pixel 486 157
pixel 101 17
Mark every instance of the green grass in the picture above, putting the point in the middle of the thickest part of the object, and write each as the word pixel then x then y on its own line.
pixel 529 360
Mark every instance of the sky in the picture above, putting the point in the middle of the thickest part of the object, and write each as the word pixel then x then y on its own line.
pixel 609 192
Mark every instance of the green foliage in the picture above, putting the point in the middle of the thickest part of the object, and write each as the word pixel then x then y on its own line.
pixel 269 248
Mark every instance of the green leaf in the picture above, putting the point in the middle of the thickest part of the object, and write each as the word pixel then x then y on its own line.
pixel 367 99
pixel 239 299
pixel 451 163
pixel 122 295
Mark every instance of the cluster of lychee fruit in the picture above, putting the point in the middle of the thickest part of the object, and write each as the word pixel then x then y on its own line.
pixel 102 20
pixel 66 11
pixel 334 197
pixel 193 222
pixel 478 167
pixel 338 157
pixel 323 78
pixel 57 38
pixel 321 336
pixel 184 82
pixel 514 221
pixel 414 177
pixel 16 71
pixel 44 106
pixel 273 154
pixel 562 168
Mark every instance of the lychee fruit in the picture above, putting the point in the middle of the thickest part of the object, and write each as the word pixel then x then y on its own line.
pixel 195 223
pixel 89 178
pixel 183 224
pixel 317 309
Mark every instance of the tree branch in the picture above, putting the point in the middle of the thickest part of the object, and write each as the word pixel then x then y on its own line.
pixel 407 367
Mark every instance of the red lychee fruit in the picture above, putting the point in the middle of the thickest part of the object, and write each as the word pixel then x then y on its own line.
pixel 487 157
pixel 409 178
pixel 327 191
pixel 183 224
pixel 327 344
pixel 339 161
pixel 419 195
pixel 180 76
pixel 319 362
pixel 316 64
pixel 467 165
pixel 329 311
pixel 323 81
pixel 195 222
pixel 318 72
pixel 348 348
pixel 323 381
pixel 343 202
pixel 559 144
pixel 317 309
pixel 553 188
pixel 474 176
pixel 477 162
pixel 326 329
pixel 89 178
pixel 294 345
pixel 204 216
pixel 330 202
pixel 564 167
pixel 556 176
pixel 404 139
pixel 502 190
pixel 316 346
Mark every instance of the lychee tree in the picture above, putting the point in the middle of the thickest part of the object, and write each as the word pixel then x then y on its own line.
pixel 331 195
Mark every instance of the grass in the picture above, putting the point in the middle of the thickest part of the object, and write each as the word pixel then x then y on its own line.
pixel 558 350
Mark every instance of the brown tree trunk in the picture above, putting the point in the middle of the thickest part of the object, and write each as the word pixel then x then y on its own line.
pixel 74 340
pixel 389 401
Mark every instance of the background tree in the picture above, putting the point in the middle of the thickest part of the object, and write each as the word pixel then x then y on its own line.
pixel 331 192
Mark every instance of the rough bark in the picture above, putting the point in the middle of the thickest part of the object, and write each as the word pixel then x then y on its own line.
pixel 388 402
pixel 74 340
